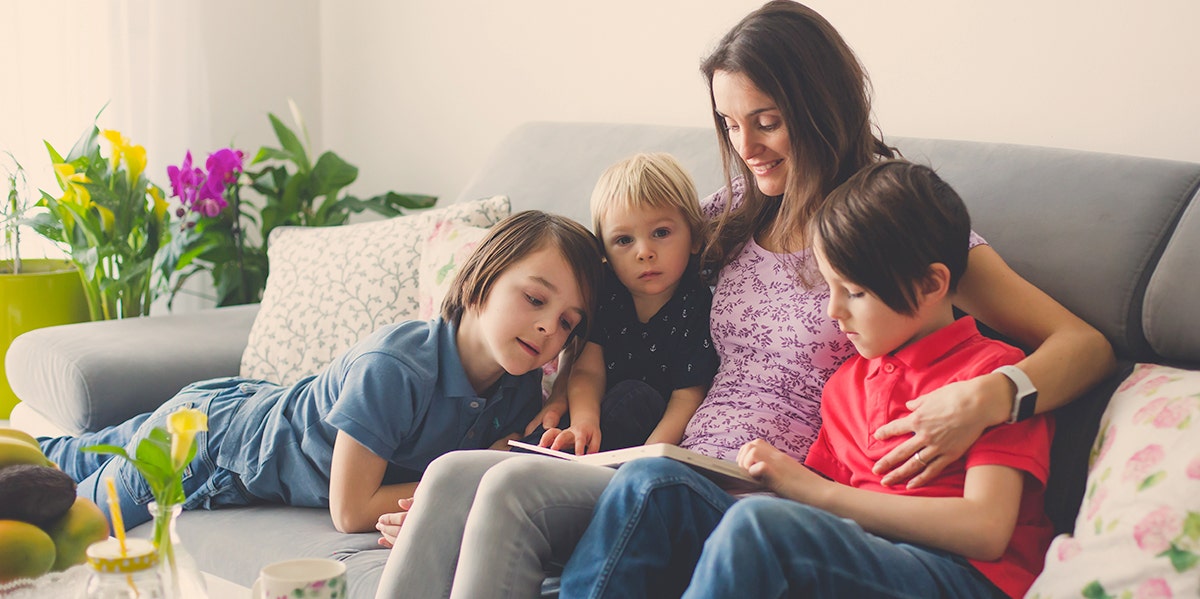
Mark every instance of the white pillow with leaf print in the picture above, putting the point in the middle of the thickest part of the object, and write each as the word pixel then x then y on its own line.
pixel 1138 530
pixel 331 286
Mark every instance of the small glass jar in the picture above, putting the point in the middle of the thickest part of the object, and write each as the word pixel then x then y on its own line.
pixel 129 576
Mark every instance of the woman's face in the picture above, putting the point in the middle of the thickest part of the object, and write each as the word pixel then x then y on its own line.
pixel 755 128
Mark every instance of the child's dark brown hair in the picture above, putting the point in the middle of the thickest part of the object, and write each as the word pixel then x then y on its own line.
pixel 885 226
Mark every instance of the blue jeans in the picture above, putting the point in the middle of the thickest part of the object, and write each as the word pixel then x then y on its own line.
pixel 660 526
pixel 205 485
pixel 646 534
pixel 772 547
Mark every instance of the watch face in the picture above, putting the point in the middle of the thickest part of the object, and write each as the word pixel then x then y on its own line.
pixel 1026 406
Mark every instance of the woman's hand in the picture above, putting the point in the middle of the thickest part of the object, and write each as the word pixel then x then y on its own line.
pixel 389 524
pixel 943 424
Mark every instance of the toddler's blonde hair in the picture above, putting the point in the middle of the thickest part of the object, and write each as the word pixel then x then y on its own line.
pixel 653 180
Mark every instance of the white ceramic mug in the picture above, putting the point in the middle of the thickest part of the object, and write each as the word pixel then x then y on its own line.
pixel 311 578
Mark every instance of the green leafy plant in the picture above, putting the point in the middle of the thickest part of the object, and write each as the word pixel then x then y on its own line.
pixel 293 191
pixel 112 219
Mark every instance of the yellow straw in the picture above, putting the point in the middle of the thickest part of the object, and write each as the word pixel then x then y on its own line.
pixel 114 509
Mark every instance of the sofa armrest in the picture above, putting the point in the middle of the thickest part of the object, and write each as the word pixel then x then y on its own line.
pixel 87 376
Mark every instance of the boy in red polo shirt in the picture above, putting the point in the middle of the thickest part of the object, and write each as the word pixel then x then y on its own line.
pixel 892 244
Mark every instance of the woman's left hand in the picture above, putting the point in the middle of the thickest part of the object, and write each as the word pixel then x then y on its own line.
pixel 943 424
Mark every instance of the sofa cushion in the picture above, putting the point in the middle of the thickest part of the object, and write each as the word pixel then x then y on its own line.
pixel 1138 531
pixel 1087 228
pixel 234 543
pixel 330 286
pixel 1169 315
pixel 448 246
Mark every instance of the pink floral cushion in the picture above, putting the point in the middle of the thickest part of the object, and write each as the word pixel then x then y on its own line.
pixel 1138 530
pixel 446 247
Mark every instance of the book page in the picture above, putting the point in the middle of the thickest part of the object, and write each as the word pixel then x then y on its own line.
pixel 727 475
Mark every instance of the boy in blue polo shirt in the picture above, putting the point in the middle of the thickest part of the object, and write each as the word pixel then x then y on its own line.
pixel 357 436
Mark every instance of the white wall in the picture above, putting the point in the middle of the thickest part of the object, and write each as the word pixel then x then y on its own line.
pixel 418 93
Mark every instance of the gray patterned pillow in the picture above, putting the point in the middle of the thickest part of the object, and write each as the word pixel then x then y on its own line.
pixel 331 286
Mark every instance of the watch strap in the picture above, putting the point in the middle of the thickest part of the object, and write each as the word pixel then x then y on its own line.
pixel 1025 399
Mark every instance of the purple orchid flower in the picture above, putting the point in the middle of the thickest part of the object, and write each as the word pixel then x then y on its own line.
pixel 185 181
pixel 205 193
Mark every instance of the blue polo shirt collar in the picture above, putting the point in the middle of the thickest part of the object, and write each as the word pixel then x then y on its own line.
pixel 453 377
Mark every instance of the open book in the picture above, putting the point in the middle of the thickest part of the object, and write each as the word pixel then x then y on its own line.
pixel 727 475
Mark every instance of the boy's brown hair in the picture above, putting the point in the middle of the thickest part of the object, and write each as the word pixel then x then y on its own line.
pixel 887 224
pixel 511 240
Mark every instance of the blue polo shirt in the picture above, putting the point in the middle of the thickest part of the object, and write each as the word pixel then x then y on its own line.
pixel 401 392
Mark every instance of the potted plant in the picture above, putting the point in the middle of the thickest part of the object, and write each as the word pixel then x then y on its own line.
pixel 226 236
pixel 112 219
pixel 35 293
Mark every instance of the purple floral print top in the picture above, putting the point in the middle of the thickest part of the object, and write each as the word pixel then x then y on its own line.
pixel 777 348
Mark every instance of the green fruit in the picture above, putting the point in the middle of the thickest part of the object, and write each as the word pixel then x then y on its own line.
pixel 38 495
pixel 25 551
pixel 19 435
pixel 82 525
pixel 14 452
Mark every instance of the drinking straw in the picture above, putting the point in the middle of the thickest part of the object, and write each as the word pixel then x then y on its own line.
pixel 114 510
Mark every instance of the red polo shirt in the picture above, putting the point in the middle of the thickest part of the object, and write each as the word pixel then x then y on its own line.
pixel 863 395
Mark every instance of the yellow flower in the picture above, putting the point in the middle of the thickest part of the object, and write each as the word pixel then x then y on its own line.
pixel 183 424
pixel 160 204
pixel 118 142
pixel 70 181
pixel 135 157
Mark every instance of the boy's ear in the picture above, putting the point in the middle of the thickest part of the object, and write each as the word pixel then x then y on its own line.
pixel 936 284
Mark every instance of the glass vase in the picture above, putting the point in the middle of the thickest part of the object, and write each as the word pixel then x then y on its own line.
pixel 181 576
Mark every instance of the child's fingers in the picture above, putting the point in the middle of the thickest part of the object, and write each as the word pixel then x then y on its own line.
pixel 563 438
pixel 549 436
pixel 406 503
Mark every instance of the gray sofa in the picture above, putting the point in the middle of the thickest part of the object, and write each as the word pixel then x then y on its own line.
pixel 1111 237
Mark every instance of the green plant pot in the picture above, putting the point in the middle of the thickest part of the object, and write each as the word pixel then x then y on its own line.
pixel 46 293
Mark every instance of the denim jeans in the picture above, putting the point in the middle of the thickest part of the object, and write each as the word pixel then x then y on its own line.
pixel 646 533
pixel 771 547
pixel 205 485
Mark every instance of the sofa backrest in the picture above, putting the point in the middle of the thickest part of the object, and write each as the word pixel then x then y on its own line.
pixel 1109 236
pixel 1087 228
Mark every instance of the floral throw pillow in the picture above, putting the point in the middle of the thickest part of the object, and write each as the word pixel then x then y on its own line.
pixel 446 248
pixel 1138 530
pixel 331 286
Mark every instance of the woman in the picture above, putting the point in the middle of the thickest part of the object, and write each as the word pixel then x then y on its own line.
pixel 792 105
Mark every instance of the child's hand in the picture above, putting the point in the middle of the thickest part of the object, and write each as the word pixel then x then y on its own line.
pixel 585 436
pixel 389 524
pixel 552 412
pixel 778 471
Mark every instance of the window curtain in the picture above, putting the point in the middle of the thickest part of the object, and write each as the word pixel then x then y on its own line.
pixel 65 60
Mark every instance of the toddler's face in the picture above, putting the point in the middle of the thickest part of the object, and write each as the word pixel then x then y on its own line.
pixel 648 249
